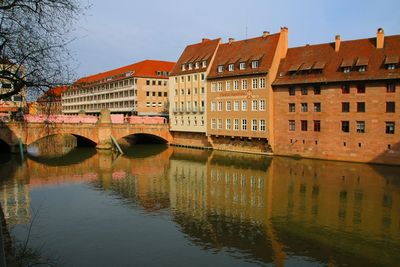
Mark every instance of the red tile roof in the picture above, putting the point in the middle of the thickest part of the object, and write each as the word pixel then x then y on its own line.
pixel 146 68
pixel 354 53
pixel 259 48
pixel 54 92
pixel 196 53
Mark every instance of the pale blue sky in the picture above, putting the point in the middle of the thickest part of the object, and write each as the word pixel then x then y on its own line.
pixel 121 32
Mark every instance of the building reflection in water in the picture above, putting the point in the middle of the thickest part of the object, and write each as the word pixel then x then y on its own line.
pixel 254 207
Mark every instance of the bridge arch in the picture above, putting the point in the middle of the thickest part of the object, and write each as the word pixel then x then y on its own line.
pixel 82 140
pixel 143 138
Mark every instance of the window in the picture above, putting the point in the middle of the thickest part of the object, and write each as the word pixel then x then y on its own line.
pixel 346 69
pixel 317 90
pixel 255 83
pixel 292 91
pixel 362 68
pixel 360 89
pixel 391 66
pixel 292 125
pixel 390 127
pixel 188 91
pixel 228 86
pixel 213 85
pixel 197 65
pixel 202 91
pixel 183 67
pixel 230 67
pixel 220 68
pixel 244 105
pixel 236 85
pixel 244 84
pixel 262 82
pixel 317 126
pixel 390 107
pixel 220 106
pixel 147 93
pixel 204 64
pixel 262 125
pixel 304 90
pixel 304 107
pixel 345 107
pixel 360 106
pixel 202 76
pixel 188 106
pixel 292 107
pixel 254 125
pixel 254 104
pixel 228 105
pixel 304 125
pixel 219 86
pixel 213 123
pixel 317 107
pixel 391 88
pixel 228 124
pixel 236 124
pixel 262 105
pixel 147 82
pixel 254 64
pixel 242 65
pixel 182 79
pixel 153 82
pixel 360 126
pixel 345 126
pixel 345 89
pixel 195 77
pixel 195 91
pixel 213 106
pixel 236 106
pixel 244 125
pixel 219 123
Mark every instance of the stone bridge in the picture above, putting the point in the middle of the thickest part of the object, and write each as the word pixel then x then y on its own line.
pixel 98 131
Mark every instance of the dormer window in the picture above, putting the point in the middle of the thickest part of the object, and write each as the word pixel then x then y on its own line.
pixel 230 67
pixel 347 64
pixel 391 62
pixel 362 64
pixel 204 64
pixel 346 69
pixel 190 66
pixel 183 67
pixel 391 66
pixel 220 68
pixel 197 65
pixel 362 69
pixel 254 64
pixel 242 65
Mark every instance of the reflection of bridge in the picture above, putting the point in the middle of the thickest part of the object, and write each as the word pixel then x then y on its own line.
pixel 98 132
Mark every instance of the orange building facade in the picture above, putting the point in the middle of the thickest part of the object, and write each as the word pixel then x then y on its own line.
pixel 140 88
pixel 240 94
pixel 338 101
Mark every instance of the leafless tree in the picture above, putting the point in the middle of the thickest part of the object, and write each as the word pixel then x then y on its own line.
pixel 34 37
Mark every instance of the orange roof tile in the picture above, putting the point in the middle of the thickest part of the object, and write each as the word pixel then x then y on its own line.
pixel 352 53
pixel 145 68
pixel 259 48
pixel 54 92
pixel 196 53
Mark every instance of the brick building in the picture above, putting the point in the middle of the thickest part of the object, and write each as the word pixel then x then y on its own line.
pixel 188 93
pixel 340 100
pixel 50 101
pixel 239 96
pixel 140 88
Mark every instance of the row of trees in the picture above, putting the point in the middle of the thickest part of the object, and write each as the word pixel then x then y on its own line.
pixel 34 38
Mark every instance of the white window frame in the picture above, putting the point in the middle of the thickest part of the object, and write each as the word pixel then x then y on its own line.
pixel 262 83
pixel 244 84
pixel 213 86
pixel 220 68
pixel 235 85
pixel 262 126
pixel 244 105
pixel 254 105
pixel 255 83
pixel 228 106
pixel 204 64
pixel 236 105
pixel 219 105
pixel 244 124
pixel 219 87
pixel 236 124
pixel 231 67
pixel 254 125
pixel 219 124
pixel 242 65
pixel 213 106
pixel 255 64
pixel 228 124
pixel 213 123
pixel 262 105
pixel 197 65
pixel 228 86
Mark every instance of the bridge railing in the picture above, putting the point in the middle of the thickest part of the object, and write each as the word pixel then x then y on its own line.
pixel 115 119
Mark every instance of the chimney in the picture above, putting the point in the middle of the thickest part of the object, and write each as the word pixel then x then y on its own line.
pixel 231 40
pixel 380 38
pixel 265 33
pixel 337 43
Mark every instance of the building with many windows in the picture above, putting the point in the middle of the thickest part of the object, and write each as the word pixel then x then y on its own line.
pixel 140 88
pixel 50 102
pixel 188 93
pixel 239 92
pixel 340 100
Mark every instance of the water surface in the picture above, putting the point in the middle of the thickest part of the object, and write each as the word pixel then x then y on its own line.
pixel 159 205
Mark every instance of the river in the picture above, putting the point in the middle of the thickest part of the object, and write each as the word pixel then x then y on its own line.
pixel 168 206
